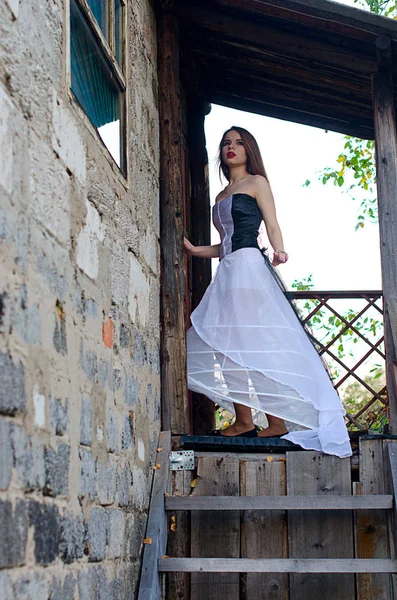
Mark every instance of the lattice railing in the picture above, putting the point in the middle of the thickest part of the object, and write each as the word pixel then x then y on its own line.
pixel 351 340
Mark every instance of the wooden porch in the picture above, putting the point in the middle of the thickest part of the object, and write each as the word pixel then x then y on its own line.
pixel 281 523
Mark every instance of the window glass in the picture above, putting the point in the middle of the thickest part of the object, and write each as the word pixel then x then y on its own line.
pixel 99 9
pixel 93 84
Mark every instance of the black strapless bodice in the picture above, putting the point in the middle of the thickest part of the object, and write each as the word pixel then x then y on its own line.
pixel 237 218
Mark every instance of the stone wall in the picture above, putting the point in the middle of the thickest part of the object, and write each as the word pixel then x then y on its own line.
pixel 79 317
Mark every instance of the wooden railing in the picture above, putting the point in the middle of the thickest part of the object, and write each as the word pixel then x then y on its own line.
pixel 337 333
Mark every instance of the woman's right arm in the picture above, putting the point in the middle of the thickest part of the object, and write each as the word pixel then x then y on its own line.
pixel 201 251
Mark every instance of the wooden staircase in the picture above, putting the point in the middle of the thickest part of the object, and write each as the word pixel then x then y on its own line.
pixel 272 527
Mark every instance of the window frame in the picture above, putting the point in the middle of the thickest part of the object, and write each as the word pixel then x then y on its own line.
pixel 118 71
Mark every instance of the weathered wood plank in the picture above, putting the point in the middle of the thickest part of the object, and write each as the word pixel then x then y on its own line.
pixel 263 534
pixel 178 584
pixel 281 565
pixel 203 409
pixel 386 176
pixel 269 502
pixel 149 586
pixel 390 451
pixel 175 414
pixel 372 538
pixel 318 535
pixel 216 534
pixel 392 455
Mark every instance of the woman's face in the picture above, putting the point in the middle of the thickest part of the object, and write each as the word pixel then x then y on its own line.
pixel 233 151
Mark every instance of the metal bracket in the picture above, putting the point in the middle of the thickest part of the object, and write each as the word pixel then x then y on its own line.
pixel 182 460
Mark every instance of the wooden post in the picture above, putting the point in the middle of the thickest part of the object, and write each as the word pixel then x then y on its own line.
pixel 203 410
pixel 173 349
pixel 386 172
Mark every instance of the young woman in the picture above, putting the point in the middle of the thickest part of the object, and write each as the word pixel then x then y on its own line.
pixel 247 350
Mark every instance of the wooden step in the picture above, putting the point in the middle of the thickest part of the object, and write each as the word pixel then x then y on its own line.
pixel 373 502
pixel 278 565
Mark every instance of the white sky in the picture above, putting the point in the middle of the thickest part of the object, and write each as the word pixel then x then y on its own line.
pixel 318 223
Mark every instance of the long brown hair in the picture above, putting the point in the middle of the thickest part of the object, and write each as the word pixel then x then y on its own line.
pixel 254 164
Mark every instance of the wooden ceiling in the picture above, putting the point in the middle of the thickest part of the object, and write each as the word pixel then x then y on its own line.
pixel 307 61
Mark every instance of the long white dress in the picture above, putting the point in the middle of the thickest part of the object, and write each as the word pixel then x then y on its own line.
pixel 246 344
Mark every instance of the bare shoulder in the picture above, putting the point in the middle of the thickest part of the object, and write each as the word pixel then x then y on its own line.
pixel 260 183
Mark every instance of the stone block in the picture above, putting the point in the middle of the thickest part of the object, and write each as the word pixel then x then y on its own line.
pixel 88 362
pixel 96 534
pixel 135 527
pixel 50 190
pixel 6 454
pixel 87 584
pixel 89 238
pixel 128 431
pixel 13 533
pixel 31 586
pixel 124 483
pixel 103 584
pixel 86 421
pixel 59 332
pixel 90 308
pixel 117 379
pixel 12 385
pixel 131 391
pixel 57 470
pixel 154 360
pixel 87 474
pixel 105 373
pixel 45 521
pixel 116 533
pixel 39 407
pixel 7 117
pixel 59 415
pixel 6 588
pixel 106 482
pixel 138 293
pixel 140 350
pixel 119 272
pixel 26 318
pixel 124 336
pixel 66 139
pixel 28 459
pixel 52 262
pixel 72 531
pixel 112 433
pixel 148 247
pixel 14 7
pixel 63 591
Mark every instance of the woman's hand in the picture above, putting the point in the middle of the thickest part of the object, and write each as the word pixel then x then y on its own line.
pixel 279 257
pixel 189 248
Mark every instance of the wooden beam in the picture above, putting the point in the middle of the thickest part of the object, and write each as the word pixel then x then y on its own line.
pixel 258 33
pixel 386 173
pixel 203 409
pixel 280 502
pixel 318 10
pixel 301 115
pixel 173 349
pixel 278 565
pixel 156 531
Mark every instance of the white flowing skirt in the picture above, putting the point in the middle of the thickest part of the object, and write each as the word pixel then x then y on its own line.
pixel 246 346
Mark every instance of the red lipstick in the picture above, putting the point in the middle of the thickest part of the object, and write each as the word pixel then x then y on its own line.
pixel 231 155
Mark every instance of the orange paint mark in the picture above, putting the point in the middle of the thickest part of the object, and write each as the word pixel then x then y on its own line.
pixel 108 333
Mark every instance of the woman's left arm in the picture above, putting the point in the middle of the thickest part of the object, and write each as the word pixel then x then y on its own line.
pixel 265 200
